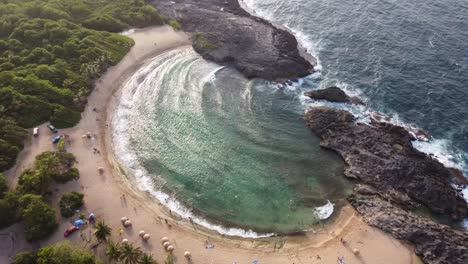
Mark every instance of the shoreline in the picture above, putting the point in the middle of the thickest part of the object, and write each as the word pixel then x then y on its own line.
pixel 101 193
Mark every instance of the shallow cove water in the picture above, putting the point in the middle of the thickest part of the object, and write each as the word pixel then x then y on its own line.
pixel 210 144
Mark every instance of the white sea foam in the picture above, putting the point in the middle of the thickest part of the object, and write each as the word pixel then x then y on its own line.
pixel 325 211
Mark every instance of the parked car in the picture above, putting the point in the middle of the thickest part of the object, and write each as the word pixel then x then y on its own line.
pixel 52 129
pixel 56 139
pixel 70 230
pixel 36 132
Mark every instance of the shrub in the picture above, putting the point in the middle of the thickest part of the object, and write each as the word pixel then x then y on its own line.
pixel 25 257
pixel 65 252
pixel 39 217
pixel 175 25
pixel 70 202
pixel 34 181
pixel 9 210
pixel 58 165
pixel 3 186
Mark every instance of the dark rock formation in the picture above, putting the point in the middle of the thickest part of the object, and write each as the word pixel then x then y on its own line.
pixel 227 34
pixel 333 94
pixel 434 243
pixel 382 156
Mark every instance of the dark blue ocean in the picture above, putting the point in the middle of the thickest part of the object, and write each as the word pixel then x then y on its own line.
pixel 408 59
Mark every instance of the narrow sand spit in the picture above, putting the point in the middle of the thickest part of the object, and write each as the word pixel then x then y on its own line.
pixel 103 194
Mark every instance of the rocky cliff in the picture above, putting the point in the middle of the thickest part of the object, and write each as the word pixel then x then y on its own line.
pixel 381 155
pixel 434 243
pixel 395 179
pixel 225 33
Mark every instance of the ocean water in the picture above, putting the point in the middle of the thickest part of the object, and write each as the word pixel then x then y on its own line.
pixel 407 59
pixel 234 154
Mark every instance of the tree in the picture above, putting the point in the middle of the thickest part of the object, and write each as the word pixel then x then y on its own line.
pixel 147 259
pixel 130 254
pixel 102 231
pixel 59 165
pixel 3 186
pixel 113 252
pixel 65 252
pixel 9 209
pixel 39 217
pixel 34 181
pixel 70 202
pixel 25 257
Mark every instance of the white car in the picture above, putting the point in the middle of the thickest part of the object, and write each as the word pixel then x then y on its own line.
pixel 36 132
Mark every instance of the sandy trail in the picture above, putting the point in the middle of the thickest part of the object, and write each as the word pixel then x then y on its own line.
pixel 103 194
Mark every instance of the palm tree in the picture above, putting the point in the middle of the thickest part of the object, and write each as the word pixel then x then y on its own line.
pixel 102 231
pixel 147 259
pixel 113 251
pixel 130 254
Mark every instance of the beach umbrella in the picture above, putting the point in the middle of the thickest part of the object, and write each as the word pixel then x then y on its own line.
pixel 124 241
pixel 166 244
pixel 123 219
pixel 164 240
pixel 127 223
pixel 141 233
pixel 187 255
pixel 146 237
pixel 356 251
pixel 170 248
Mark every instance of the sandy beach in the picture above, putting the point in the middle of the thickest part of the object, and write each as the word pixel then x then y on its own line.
pixel 103 194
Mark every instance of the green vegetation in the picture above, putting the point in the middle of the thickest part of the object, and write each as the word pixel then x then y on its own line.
pixel 70 202
pixel 174 24
pixel 169 259
pixel 65 252
pixel 39 217
pixel 26 257
pixel 202 40
pixel 26 202
pixel 102 232
pixel 128 254
pixel 9 209
pixel 51 51
pixel 113 252
pixel 3 186
pixel 48 166
pixel 147 259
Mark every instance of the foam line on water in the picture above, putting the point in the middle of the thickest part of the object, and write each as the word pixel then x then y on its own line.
pixel 142 86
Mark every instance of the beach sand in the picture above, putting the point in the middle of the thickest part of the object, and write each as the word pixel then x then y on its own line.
pixel 103 195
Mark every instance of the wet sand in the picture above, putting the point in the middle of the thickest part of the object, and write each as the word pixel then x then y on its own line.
pixel 111 195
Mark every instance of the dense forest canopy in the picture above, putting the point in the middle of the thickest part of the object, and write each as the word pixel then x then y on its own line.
pixel 51 51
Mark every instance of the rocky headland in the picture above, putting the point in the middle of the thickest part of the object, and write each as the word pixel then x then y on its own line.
pixel 396 179
pixel 434 243
pixel 225 33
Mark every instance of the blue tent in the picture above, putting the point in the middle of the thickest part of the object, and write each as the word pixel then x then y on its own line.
pixel 78 223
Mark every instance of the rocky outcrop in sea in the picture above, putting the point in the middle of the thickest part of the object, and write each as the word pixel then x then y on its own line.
pixel 335 95
pixel 225 33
